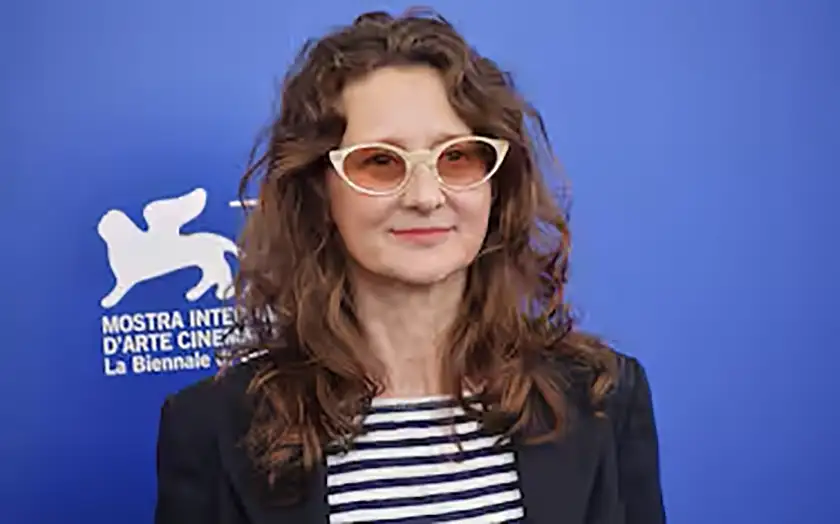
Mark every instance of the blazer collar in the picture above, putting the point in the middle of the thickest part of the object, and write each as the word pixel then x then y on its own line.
pixel 556 478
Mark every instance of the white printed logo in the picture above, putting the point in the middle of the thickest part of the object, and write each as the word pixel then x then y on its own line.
pixel 136 255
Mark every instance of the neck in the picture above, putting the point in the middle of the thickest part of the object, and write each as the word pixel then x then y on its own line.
pixel 405 326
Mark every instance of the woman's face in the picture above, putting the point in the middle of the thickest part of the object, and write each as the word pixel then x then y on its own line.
pixel 424 233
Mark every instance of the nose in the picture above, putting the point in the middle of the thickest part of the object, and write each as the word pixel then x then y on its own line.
pixel 423 190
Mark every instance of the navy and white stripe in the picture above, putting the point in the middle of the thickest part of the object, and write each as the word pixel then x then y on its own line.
pixel 406 467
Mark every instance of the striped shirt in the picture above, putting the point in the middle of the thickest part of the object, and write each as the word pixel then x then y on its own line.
pixel 406 467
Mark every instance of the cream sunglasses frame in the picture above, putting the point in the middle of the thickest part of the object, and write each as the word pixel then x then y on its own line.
pixel 415 158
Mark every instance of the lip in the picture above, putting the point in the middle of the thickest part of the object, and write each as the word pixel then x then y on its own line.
pixel 421 231
pixel 422 235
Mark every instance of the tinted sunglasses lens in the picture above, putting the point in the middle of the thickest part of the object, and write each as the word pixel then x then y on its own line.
pixel 466 162
pixel 375 168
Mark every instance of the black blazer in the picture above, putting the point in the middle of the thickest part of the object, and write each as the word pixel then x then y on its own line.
pixel 604 471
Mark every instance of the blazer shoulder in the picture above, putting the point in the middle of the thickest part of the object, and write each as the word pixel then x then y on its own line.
pixel 578 376
pixel 204 398
pixel 626 395
pixel 632 381
pixel 196 413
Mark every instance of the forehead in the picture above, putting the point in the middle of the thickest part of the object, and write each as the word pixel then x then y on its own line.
pixel 407 106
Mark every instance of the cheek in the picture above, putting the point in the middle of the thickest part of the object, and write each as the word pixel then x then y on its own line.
pixel 343 206
pixel 355 215
pixel 474 210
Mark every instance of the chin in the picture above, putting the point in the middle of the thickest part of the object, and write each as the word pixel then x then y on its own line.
pixel 426 276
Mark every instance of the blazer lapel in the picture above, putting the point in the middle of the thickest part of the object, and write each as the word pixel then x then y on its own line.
pixel 556 478
pixel 252 488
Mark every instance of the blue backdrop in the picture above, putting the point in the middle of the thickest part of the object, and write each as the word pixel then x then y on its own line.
pixel 701 139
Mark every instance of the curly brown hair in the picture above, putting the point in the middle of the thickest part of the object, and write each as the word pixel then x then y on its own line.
pixel 292 291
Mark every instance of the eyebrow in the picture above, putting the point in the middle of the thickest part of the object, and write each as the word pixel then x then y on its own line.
pixel 439 138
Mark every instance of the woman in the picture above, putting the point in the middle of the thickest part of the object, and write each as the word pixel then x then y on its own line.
pixel 401 285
